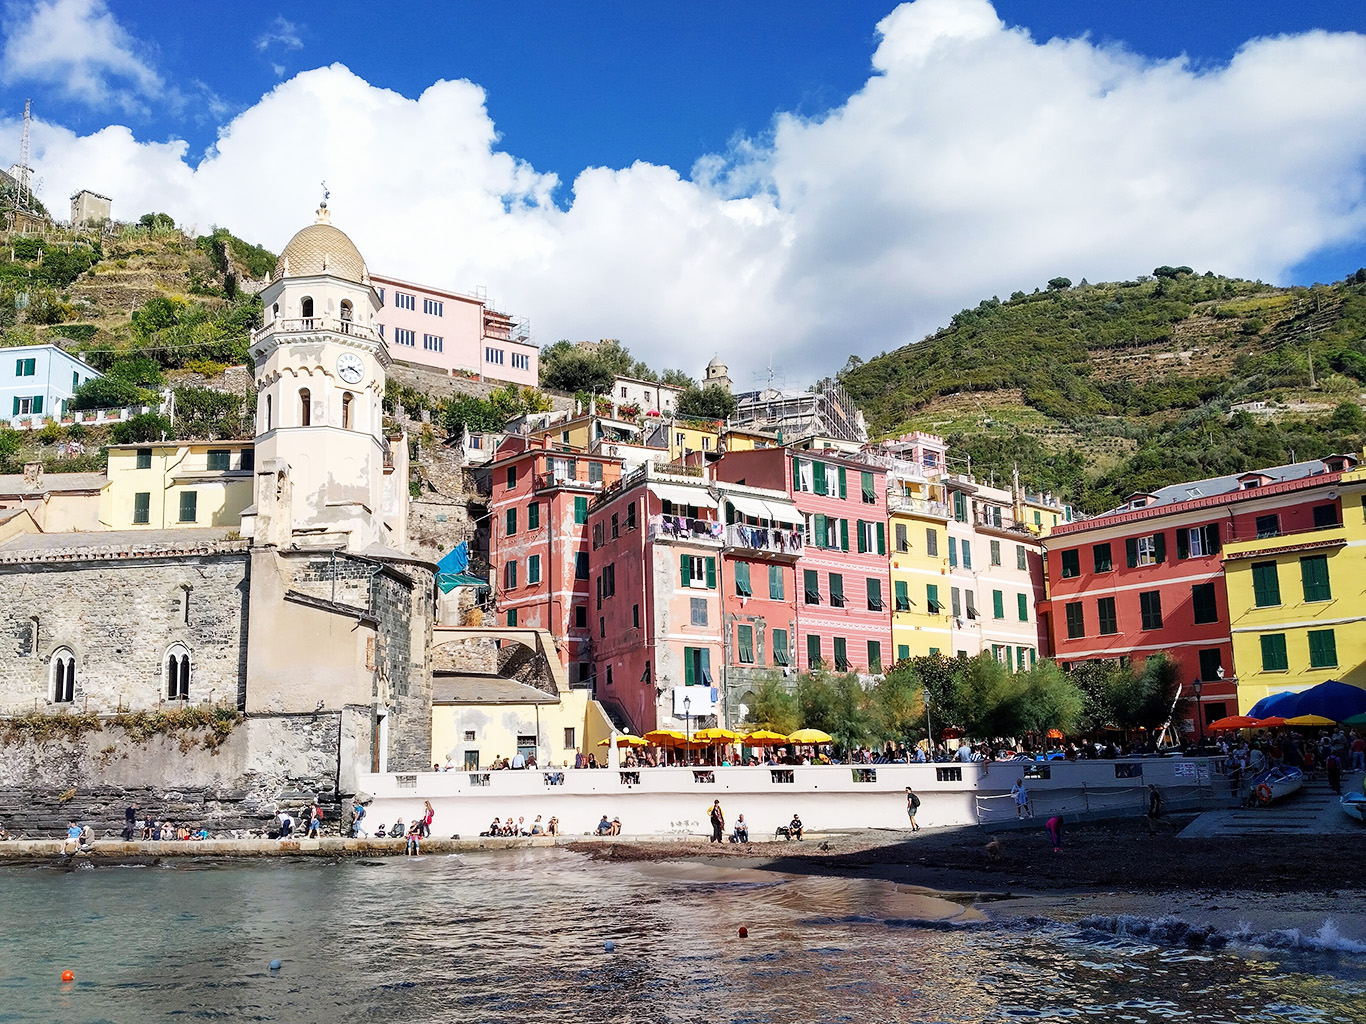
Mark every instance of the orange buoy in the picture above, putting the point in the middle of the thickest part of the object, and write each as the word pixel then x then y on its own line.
pixel 68 976
pixel 744 932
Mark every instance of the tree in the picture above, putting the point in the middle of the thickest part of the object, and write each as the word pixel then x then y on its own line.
pixel 1050 700
pixel 1146 698
pixel 712 402
pixel 109 393
pixel 1059 284
pixel 156 221
pixel 898 704
pixel 773 706
pixel 144 427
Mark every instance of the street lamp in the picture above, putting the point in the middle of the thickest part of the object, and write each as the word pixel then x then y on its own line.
pixel 687 725
pixel 1197 684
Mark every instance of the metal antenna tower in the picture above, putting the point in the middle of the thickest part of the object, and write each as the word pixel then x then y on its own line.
pixel 23 199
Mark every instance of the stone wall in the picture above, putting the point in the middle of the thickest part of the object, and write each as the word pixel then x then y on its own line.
pixel 265 763
pixel 119 616
pixel 405 610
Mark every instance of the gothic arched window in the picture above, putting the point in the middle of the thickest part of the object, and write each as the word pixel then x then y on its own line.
pixel 305 408
pixel 177 673
pixel 63 670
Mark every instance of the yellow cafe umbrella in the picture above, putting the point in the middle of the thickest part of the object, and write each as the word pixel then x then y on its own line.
pixel 809 736
pixel 1309 720
pixel 764 738
pixel 663 737
pixel 715 736
pixel 625 740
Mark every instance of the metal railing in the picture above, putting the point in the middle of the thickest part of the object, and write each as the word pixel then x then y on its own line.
pixel 905 503
pixel 699 531
pixel 764 538
pixel 301 324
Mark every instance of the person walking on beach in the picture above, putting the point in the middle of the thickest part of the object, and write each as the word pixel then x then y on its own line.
pixel 358 830
pixel 1054 826
pixel 912 806
pixel 1154 809
pixel 1333 768
pixel 1021 795
pixel 718 822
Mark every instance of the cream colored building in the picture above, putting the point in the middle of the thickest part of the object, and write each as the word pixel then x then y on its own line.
pixel 177 484
pixel 478 718
pixel 58 502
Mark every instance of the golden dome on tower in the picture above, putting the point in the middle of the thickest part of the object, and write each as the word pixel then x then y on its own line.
pixel 321 249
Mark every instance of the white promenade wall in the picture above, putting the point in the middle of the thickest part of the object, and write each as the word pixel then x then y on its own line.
pixel 666 802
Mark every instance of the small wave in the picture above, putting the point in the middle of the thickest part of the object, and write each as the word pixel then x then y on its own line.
pixel 1172 931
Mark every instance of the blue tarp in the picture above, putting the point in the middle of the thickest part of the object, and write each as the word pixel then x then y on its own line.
pixel 1333 700
pixel 456 559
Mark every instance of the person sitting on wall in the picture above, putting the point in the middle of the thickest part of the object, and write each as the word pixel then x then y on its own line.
pixel 553 827
pixel 496 829
pixel 616 827
pixel 604 827
pixel 414 837
pixel 795 828
pixel 537 829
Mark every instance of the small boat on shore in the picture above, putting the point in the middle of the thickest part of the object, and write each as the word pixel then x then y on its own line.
pixel 1275 783
pixel 1354 806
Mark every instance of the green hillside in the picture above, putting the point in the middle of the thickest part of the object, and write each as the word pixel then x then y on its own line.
pixel 1094 391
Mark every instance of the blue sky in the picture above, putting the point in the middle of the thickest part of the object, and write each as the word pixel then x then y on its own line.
pixel 572 86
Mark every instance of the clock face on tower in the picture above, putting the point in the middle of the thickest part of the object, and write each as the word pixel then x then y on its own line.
pixel 350 367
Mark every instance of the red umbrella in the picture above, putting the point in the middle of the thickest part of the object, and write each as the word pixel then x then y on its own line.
pixel 1273 722
pixel 1233 722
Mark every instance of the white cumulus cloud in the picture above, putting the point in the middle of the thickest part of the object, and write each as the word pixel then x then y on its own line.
pixel 80 48
pixel 974 160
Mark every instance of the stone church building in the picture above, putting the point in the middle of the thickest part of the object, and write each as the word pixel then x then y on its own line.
pixel 309 617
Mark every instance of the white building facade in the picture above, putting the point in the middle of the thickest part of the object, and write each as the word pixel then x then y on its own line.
pixel 37 382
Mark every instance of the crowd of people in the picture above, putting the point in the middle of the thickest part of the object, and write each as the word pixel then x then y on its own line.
pixel 511 829
pixel 1334 751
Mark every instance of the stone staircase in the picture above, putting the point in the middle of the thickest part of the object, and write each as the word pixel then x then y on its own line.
pixel 1314 810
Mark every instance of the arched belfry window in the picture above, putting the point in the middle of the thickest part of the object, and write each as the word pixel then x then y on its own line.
pixel 177 673
pixel 347 315
pixel 269 413
pixel 63 669
pixel 347 399
pixel 275 311
pixel 305 408
pixel 306 310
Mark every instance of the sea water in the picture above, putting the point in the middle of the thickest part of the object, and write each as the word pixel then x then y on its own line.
pixel 523 936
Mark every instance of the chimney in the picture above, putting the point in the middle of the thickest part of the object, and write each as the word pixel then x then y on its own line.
pixel 33 476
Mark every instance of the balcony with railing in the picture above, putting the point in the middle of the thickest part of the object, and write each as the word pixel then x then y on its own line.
pixel 684 530
pixel 897 502
pixel 314 324
pixel 765 540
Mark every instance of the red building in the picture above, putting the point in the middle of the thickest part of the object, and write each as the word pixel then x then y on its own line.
pixel 843 616
pixel 538 547
pixel 1148 576
pixel 655 613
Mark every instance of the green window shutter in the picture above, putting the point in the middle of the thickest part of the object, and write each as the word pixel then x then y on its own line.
pixel 745 642
pixel 932 599
pixel 16 405
pixel 690 666
pixel 955 602
pixel 903 599
pixel 874 594
pixel 189 506
pixel 685 570
pixel 780 647
pixel 998 604
pixel 841 655
pixel 1266 584
pixel 1273 653
pixel 1160 547
pixel 1314 574
pixel 1131 552
pixel 953 552
pixel 844 483
pixel 580 510
pixel 811 585
pixel 1323 648
pixel 818 477
pixel 742 579
pixel 813 651
pixel 844 535
pixel 775 583
pixel 881 538
pixel 704 656
pixel 711 573
pixel 1183 544
pixel 861 529
pixel 1021 559
pixel 37 403
pixel 836 590
pixel 1023 603
pixel 819 528
pixel 874 656
pixel 511 521
pixel 866 486
pixel 903 652
pixel 533 515
pixel 142 508
pixel 512 616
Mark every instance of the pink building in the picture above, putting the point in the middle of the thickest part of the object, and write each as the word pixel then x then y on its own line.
pixel 450 332
pixel 843 614
pixel 657 614
pixel 538 547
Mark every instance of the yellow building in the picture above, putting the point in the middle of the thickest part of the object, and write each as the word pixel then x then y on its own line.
pixel 1297 607
pixel 580 432
pixel 918 513
pixel 177 484
pixel 477 718
pixel 683 437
